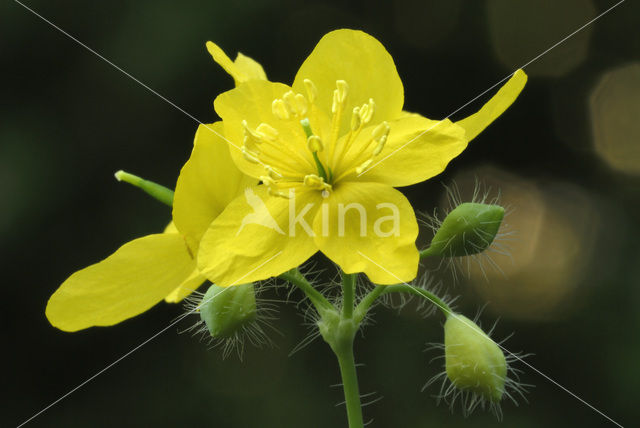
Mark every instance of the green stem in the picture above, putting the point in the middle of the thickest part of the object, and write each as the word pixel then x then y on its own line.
pixel 295 277
pixel 350 386
pixel 421 292
pixel 364 305
pixel 348 292
pixel 428 252
pixel 339 330
pixel 368 300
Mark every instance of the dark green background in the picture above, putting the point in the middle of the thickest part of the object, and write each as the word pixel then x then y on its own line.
pixel 69 120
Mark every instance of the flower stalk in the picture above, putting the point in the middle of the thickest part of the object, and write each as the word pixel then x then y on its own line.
pixel 350 385
pixel 338 329
pixel 348 292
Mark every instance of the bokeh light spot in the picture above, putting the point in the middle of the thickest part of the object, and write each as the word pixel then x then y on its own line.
pixel 521 30
pixel 615 116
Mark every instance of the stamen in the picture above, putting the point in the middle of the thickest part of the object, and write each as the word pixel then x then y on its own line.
pixel 335 103
pixel 366 113
pixel 279 109
pixel 339 95
pixel 343 89
pixel 316 182
pixel 267 132
pixel 312 91
pixel 249 144
pixel 380 145
pixel 248 132
pixel 250 141
pixel 251 157
pixel 301 104
pixel 278 193
pixel 356 120
pixel 380 131
pixel 364 166
pixel 295 104
pixel 272 172
pixel 363 113
pixel 273 187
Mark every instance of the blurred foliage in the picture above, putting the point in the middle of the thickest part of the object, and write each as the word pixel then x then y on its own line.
pixel 69 121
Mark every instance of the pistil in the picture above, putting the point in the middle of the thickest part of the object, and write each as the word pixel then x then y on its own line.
pixel 314 143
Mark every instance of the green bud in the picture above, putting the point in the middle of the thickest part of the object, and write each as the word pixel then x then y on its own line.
pixel 155 190
pixel 473 361
pixel 469 229
pixel 226 310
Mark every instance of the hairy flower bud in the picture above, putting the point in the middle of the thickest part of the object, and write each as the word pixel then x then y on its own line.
pixel 225 311
pixel 473 361
pixel 469 229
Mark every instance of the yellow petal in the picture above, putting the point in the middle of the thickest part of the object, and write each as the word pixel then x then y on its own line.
pixel 171 228
pixel 370 228
pixel 207 183
pixel 251 68
pixel 130 281
pixel 254 239
pixel 251 102
pixel 242 69
pixel 366 66
pixel 417 149
pixel 188 286
pixel 476 123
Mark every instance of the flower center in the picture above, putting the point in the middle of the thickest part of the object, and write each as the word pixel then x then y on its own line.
pixel 332 157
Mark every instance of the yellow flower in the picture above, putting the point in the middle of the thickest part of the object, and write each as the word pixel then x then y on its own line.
pixel 161 266
pixel 329 151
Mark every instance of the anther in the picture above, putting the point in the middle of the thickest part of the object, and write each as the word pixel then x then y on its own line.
pixel 279 109
pixel 246 130
pixel 343 89
pixel 251 157
pixel 272 172
pixel 339 95
pixel 364 166
pixel 355 119
pixel 380 131
pixel 367 114
pixel 312 91
pixel 315 144
pixel 250 145
pixel 267 132
pixel 380 145
pixel 315 182
pixel 301 104
pixel 363 112
pixel 289 99
pixel 296 104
